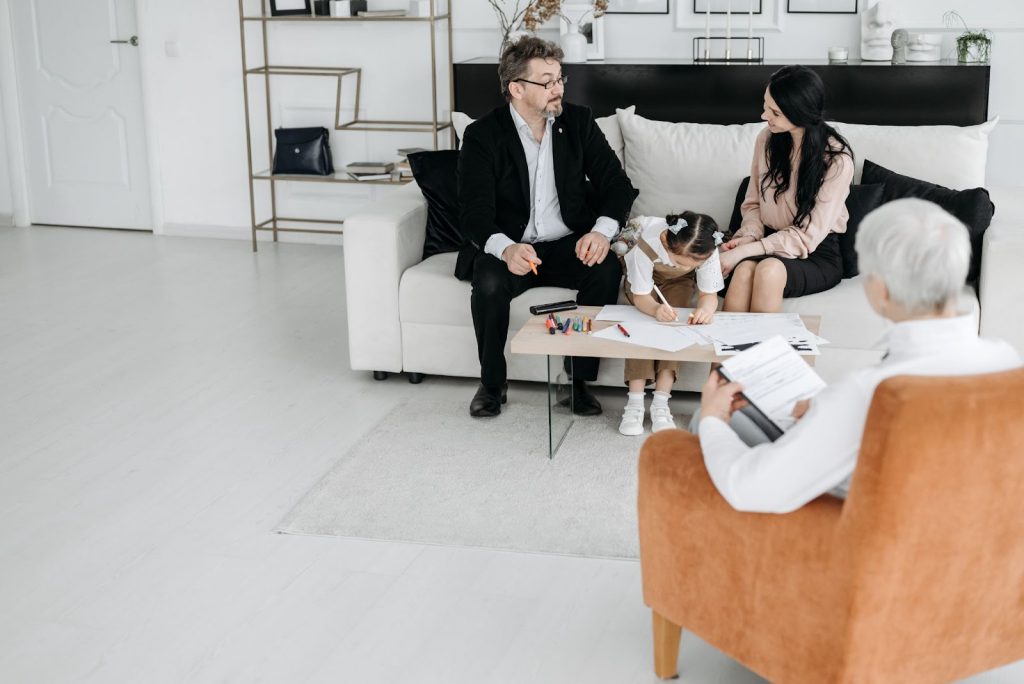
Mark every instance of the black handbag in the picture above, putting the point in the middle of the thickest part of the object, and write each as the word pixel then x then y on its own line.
pixel 303 151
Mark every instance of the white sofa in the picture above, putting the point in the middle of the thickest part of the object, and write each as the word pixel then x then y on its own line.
pixel 412 315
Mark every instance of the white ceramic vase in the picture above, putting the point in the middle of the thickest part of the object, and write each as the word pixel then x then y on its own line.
pixel 573 44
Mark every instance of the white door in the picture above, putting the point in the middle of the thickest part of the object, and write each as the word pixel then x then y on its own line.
pixel 81 106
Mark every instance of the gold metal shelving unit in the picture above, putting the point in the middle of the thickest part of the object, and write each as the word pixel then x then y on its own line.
pixel 433 126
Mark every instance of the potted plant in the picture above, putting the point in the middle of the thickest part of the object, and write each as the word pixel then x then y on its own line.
pixel 972 46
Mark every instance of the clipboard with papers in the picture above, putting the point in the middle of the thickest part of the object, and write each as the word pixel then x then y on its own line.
pixel 774 379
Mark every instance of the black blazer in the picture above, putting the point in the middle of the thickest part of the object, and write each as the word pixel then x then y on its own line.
pixel 494 188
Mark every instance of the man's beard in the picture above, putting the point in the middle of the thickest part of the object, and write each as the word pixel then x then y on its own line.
pixel 554 108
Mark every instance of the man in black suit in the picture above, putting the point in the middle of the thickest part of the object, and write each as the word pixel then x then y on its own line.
pixel 529 213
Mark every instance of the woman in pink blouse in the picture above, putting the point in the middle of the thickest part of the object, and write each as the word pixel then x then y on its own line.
pixel 787 244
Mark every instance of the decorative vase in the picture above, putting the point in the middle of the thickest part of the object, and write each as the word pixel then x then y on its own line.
pixel 972 51
pixel 573 44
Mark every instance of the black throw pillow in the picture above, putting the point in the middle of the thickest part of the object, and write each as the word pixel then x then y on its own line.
pixel 973 207
pixel 436 174
pixel 861 200
pixel 737 218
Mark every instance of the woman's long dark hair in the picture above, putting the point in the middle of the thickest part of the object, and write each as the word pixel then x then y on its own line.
pixel 800 95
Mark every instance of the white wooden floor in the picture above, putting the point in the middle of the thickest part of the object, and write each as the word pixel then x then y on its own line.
pixel 163 403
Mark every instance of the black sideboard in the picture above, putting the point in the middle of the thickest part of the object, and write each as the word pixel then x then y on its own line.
pixel 866 93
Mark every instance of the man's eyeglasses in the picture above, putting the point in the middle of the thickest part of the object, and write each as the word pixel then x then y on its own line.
pixel 549 85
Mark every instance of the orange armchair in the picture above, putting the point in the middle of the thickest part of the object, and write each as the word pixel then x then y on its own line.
pixel 917 577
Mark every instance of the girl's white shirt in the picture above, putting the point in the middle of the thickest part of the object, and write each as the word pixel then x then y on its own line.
pixel 640 268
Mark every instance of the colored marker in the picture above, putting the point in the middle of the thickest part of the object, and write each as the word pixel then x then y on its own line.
pixel 623 330
pixel 533 267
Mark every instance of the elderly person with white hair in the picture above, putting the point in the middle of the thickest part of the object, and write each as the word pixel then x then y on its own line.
pixel 914 256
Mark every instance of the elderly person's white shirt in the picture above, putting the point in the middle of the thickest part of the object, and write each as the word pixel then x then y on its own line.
pixel 819 453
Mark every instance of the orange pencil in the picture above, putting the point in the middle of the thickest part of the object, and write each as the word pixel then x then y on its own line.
pixel 533 267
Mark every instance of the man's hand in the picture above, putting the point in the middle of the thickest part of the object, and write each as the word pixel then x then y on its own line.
pixel 592 248
pixel 518 257
pixel 718 398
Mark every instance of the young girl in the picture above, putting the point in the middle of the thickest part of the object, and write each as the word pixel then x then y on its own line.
pixel 676 255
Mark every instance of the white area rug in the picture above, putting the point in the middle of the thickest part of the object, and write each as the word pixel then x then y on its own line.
pixel 430 473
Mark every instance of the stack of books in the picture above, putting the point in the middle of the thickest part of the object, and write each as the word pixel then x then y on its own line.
pixel 404 170
pixel 365 171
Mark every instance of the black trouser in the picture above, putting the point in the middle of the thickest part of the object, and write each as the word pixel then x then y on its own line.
pixel 494 288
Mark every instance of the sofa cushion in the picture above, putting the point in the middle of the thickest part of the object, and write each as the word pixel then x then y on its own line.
pixel 861 200
pixel 973 207
pixel 680 166
pixel 609 125
pixel 436 176
pixel 954 156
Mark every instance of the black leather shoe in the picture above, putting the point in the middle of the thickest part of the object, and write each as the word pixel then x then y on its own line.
pixel 584 403
pixel 487 403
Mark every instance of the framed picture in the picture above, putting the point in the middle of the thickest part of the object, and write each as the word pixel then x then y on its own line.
pixel 821 6
pixel 637 7
pixel 735 7
pixel 591 28
pixel 758 15
pixel 281 8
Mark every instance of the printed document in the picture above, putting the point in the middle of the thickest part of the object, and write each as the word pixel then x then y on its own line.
pixel 774 378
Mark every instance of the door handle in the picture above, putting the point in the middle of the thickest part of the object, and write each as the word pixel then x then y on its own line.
pixel 134 40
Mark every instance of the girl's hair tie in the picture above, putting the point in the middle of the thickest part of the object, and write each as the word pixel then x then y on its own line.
pixel 718 235
pixel 676 224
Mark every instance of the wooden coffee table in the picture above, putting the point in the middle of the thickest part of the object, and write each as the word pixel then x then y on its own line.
pixel 534 338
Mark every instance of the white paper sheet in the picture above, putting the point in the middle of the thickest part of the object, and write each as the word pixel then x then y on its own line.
pixel 649 334
pixel 628 312
pixel 774 377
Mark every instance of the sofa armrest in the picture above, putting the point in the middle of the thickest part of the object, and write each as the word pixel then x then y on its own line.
pixel 381 242
pixel 1002 281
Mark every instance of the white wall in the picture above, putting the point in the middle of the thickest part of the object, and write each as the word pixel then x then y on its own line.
pixel 6 201
pixel 191 65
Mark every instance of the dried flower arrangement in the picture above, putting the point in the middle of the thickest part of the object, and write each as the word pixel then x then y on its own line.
pixel 534 14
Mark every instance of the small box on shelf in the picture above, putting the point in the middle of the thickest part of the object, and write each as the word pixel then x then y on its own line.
pixel 347 8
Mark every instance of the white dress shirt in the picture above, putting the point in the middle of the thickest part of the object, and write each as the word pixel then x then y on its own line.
pixel 640 268
pixel 546 222
pixel 819 453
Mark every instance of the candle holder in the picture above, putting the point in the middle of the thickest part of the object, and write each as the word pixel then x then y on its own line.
pixel 704 50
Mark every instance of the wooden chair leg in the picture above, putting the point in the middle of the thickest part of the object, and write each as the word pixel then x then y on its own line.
pixel 666 647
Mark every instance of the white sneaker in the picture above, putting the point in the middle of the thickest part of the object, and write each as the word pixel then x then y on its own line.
pixel 632 421
pixel 661 419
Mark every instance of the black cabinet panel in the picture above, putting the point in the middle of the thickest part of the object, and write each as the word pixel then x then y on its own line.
pixel 880 94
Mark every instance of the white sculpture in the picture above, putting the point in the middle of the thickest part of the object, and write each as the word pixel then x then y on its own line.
pixel 876 24
pixel 924 47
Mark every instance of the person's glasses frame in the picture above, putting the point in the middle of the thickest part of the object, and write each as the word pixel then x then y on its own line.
pixel 546 86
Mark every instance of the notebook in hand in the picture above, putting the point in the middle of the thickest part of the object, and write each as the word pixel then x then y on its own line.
pixel 774 378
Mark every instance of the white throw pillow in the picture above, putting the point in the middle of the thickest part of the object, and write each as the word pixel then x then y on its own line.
pixel 459 122
pixel 953 156
pixel 680 166
pixel 609 125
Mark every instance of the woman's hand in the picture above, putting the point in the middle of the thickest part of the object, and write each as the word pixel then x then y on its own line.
pixel 728 261
pixel 665 313
pixel 736 242
pixel 718 398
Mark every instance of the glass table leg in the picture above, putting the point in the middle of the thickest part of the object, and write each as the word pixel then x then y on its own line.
pixel 560 415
